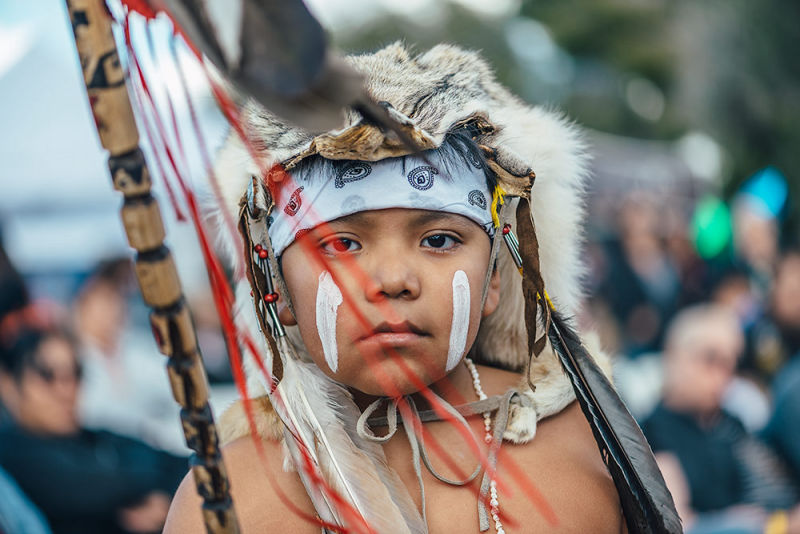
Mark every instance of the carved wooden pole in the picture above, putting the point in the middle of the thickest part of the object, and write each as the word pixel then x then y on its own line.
pixel 170 319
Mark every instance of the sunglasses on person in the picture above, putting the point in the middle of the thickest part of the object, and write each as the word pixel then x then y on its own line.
pixel 718 358
pixel 51 376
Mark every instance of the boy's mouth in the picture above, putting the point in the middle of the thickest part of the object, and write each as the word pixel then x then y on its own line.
pixel 394 334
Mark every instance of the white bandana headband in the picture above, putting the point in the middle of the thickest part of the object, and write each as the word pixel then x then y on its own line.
pixel 454 185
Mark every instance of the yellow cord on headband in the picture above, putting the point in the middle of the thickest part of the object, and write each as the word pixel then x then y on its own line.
pixel 497 199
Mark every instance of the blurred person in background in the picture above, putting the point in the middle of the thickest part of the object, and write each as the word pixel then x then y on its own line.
pixel 775 337
pixel 735 292
pixel 17 514
pixel 209 337
pixel 722 478
pixel 693 272
pixel 13 299
pixel 642 284
pixel 746 396
pixel 755 247
pixel 125 387
pixel 13 294
pixel 783 429
pixel 83 481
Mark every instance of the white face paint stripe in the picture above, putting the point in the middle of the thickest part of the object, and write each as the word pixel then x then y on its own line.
pixel 460 325
pixel 329 298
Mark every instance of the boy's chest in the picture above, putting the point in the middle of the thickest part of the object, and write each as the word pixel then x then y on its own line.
pixel 551 510
pixel 542 488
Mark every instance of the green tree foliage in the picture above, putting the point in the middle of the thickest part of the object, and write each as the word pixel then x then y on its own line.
pixel 725 67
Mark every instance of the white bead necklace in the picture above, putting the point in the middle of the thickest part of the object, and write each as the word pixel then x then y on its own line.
pixel 494 506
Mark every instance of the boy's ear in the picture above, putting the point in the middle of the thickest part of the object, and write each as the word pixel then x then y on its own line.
pixel 285 314
pixel 492 294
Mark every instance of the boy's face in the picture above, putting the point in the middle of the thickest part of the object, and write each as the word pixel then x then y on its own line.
pixel 396 267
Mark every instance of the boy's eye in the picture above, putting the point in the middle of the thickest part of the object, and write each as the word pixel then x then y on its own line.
pixel 440 241
pixel 340 245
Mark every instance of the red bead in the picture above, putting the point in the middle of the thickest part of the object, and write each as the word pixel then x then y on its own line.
pixel 506 229
pixel 258 248
pixel 262 254
pixel 270 297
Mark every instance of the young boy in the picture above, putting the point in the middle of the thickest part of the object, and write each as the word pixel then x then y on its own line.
pixel 392 267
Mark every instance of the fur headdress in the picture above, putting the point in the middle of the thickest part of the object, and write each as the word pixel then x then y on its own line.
pixel 539 160
pixel 432 94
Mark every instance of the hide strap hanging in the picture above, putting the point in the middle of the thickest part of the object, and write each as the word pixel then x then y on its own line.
pixel 261 288
pixel 532 282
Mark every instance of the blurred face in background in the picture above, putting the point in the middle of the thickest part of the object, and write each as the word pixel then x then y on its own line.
pixel 43 398
pixel 734 292
pixel 101 316
pixel 700 361
pixel 786 293
pixel 639 218
pixel 756 236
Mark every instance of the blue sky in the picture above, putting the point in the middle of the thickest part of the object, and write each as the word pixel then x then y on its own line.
pixel 57 209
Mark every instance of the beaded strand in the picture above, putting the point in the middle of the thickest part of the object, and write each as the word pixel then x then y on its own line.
pixel 494 506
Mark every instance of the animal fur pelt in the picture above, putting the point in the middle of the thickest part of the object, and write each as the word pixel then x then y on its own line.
pixel 535 153
pixel 436 90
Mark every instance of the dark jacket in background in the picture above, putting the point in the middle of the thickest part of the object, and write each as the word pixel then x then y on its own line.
pixel 706 454
pixel 724 464
pixel 81 481
pixel 783 428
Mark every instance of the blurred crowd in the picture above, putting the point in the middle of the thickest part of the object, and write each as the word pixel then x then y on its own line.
pixel 701 308
pixel 90 439
pixel 707 345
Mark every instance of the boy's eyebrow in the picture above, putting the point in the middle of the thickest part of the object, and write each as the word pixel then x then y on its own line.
pixel 427 217
pixel 353 218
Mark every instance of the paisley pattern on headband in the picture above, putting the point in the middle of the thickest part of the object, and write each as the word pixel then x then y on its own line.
pixel 330 192
pixel 422 177
pixel 477 198
pixel 295 201
pixel 352 172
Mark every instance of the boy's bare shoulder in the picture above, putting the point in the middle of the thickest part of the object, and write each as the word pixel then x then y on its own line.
pixel 258 505
pixel 564 464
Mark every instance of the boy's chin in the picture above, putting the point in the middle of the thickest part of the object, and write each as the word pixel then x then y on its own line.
pixel 391 381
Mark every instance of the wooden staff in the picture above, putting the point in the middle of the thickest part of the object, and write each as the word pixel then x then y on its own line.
pixel 155 269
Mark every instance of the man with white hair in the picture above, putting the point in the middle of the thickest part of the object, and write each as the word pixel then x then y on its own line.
pixel 783 429
pixel 722 479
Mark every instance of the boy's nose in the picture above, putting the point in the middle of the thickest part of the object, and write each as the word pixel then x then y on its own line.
pixel 393 278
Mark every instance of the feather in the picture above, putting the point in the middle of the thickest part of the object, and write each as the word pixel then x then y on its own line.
pixel 321 418
pixel 645 499
pixel 346 477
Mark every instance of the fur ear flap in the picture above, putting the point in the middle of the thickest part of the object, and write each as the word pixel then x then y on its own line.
pixel 233 422
pixel 553 393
